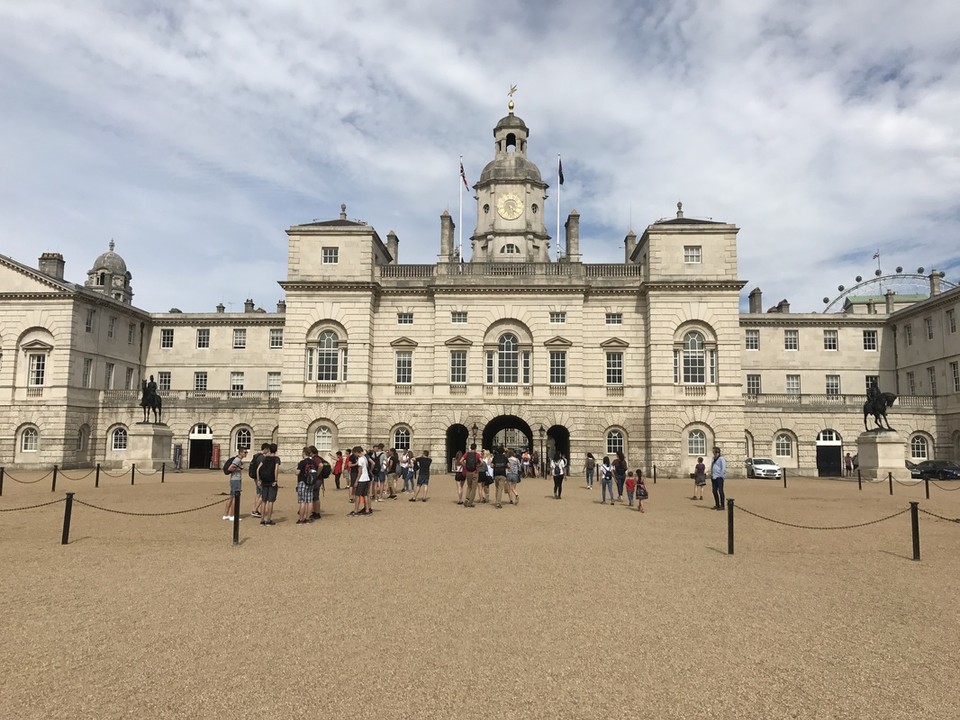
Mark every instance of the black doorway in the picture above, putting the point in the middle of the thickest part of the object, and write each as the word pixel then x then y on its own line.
pixel 201 451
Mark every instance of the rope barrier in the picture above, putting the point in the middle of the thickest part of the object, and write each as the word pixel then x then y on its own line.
pixel 934 482
pixel 911 483
pixel 143 514
pixel 147 472
pixel 32 507
pixel 939 517
pixel 821 527
pixel 122 474
pixel 29 482
pixel 64 475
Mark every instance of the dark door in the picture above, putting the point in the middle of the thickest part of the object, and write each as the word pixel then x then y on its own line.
pixel 829 461
pixel 200 453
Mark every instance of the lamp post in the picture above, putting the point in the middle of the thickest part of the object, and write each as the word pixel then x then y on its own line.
pixel 542 459
pixel 474 428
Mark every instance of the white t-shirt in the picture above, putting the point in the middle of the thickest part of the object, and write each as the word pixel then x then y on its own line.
pixel 363 475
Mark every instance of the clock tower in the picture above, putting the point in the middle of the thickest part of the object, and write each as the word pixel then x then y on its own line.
pixel 510 200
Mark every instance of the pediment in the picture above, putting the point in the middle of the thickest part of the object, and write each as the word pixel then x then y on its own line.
pixel 18 278
pixel 614 343
pixel 458 341
pixel 403 342
pixel 36 346
pixel 558 341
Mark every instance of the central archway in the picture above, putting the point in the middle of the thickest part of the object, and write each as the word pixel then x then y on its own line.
pixel 509 431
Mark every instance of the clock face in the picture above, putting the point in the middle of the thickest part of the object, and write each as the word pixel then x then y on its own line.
pixel 509 206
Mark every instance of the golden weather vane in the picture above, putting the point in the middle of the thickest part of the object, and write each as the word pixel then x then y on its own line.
pixel 513 89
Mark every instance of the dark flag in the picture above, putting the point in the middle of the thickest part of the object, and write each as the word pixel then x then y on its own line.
pixel 560 170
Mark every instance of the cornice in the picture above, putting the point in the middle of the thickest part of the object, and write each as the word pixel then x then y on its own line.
pixel 696 285
pixel 224 320
pixel 823 320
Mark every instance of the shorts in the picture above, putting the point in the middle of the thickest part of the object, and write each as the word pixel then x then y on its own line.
pixel 304 493
pixel 423 479
pixel 513 477
pixel 487 480
pixel 235 485
pixel 316 490
pixel 269 493
pixel 258 489
pixel 363 489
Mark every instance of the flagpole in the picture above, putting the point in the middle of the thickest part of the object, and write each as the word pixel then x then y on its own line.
pixel 460 215
pixel 558 206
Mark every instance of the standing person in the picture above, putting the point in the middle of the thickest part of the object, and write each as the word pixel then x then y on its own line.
pixel 338 468
pixel 236 478
pixel 559 470
pixel 513 476
pixel 268 471
pixel 408 471
pixel 486 477
pixel 458 475
pixel 253 473
pixel 362 490
pixel 848 464
pixel 319 488
pixel 718 470
pixel 699 479
pixel 642 493
pixel 589 467
pixel 392 461
pixel 620 473
pixel 422 467
pixel 307 475
pixel 471 469
pixel 606 480
pixel 353 470
pixel 525 463
pixel 377 472
pixel 499 464
pixel 631 486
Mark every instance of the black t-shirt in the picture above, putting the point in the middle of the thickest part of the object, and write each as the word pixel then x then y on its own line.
pixel 268 469
pixel 354 470
pixel 302 468
pixel 422 466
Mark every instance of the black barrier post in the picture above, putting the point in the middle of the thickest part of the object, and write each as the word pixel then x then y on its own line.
pixel 784 471
pixel 67 510
pixel 859 480
pixel 2 471
pixel 96 480
pixel 915 526
pixel 53 485
pixel 236 518
pixel 654 473
pixel 890 479
pixel 729 526
pixel 163 471
pixel 926 485
pixel 133 471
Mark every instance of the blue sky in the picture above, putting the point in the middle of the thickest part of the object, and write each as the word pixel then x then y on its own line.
pixel 195 133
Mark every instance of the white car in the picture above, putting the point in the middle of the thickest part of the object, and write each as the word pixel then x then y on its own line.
pixel 762 468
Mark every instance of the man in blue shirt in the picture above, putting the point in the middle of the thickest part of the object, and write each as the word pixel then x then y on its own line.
pixel 718 469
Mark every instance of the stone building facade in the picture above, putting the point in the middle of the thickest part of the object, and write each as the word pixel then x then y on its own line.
pixel 503 343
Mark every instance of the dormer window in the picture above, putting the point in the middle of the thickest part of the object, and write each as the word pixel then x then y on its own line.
pixel 510 249
pixel 101 278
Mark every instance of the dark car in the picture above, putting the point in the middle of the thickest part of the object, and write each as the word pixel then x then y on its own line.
pixel 914 471
pixel 939 470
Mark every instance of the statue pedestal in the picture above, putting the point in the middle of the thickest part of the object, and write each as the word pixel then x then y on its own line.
pixel 881 452
pixel 148 446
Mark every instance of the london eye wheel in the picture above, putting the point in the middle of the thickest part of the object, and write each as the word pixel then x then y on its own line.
pixel 915 286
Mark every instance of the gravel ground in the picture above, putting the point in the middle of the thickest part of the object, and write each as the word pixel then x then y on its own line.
pixel 550 609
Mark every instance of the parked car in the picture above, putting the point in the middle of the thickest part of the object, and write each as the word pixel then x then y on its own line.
pixel 760 467
pixel 914 470
pixel 939 470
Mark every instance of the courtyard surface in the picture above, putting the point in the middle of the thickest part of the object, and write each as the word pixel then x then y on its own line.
pixel 550 609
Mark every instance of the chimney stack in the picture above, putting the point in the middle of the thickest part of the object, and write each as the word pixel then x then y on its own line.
pixel 890 294
pixel 935 276
pixel 446 237
pixel 572 226
pixel 220 308
pixel 629 245
pixel 281 306
pixel 248 306
pixel 393 246
pixel 52 264
pixel 756 301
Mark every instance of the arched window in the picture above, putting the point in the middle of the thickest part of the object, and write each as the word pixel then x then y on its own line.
pixel 327 361
pixel 82 438
pixel 614 442
pixel 697 443
pixel 783 445
pixel 918 447
pixel 401 438
pixel 29 439
pixel 119 437
pixel 244 439
pixel 323 439
pixel 508 359
pixel 510 249
pixel 695 360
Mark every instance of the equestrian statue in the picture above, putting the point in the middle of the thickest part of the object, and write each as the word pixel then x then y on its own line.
pixel 151 400
pixel 876 405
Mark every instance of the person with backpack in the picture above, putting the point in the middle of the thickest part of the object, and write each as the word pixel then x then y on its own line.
pixel 606 480
pixel 319 488
pixel 362 490
pixel 268 472
pixel 499 463
pixel 589 467
pixel 338 468
pixel 422 466
pixel 559 468
pixel 379 472
pixel 234 468
pixel 391 465
pixel 307 475
pixel 252 471
pixel 471 469
pixel 620 473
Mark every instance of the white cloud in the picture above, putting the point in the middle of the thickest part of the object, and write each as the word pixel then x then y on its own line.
pixel 195 134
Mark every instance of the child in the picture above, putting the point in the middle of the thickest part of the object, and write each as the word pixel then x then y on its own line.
pixel 699 479
pixel 642 493
pixel 630 485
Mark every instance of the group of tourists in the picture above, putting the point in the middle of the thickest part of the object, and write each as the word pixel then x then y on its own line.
pixel 376 474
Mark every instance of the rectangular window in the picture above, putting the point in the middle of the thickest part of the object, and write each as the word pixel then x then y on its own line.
pixel 404 318
pixel 166 338
pixel 458 367
pixel 91 314
pixel 309 365
pixel 752 341
pixel 330 255
pixel 753 384
pixel 871 381
pixel 525 367
pixel 951 321
pixel 131 333
pixel 111 327
pixel 830 340
pixel 203 337
pixel 239 338
pixel 458 316
pixel 558 367
pixel 200 382
pixel 128 380
pixel 489 367
pixel 908 334
pixel 928 325
pixel 793 384
pixel 558 317
pixel 911 382
pixel 870 340
pixel 692 254
pixel 87 372
pixel 791 339
pixel 614 318
pixel 163 381
pixel 236 384
pixel 932 380
pixel 955 372
pixel 614 368
pixel 108 377
pixel 404 367
pixel 833 384
pixel 276 338
pixel 274 383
